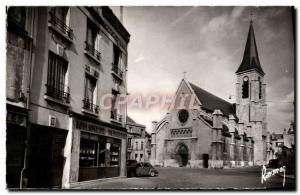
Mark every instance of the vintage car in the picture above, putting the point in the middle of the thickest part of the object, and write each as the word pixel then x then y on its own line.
pixel 145 169
pixel 131 168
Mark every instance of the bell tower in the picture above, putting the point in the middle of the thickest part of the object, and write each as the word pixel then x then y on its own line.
pixel 251 97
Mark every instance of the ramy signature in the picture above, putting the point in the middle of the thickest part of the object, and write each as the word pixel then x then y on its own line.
pixel 267 174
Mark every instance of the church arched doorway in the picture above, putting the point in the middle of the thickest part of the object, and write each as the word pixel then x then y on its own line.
pixel 182 154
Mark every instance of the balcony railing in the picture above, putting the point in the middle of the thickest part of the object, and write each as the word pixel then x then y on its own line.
pixel 58 91
pixel 117 70
pixel 61 26
pixel 115 116
pixel 88 105
pixel 90 48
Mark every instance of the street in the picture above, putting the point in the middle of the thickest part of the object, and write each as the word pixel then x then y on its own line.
pixel 193 179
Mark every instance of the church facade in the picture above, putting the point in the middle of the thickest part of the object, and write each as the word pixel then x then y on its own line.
pixel 216 133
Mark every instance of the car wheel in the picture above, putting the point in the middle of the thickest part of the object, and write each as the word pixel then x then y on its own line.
pixel 152 174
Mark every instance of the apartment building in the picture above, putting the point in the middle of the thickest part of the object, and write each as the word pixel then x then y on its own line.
pixel 78 56
pixel 138 141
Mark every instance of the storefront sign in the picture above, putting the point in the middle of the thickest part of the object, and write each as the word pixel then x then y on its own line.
pixel 16 118
pixel 97 129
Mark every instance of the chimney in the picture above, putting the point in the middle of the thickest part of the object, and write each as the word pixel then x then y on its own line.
pixel 121 14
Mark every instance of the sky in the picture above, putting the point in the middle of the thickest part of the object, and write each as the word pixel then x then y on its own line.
pixel 208 43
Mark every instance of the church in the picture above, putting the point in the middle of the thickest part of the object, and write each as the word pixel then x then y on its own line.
pixel 217 134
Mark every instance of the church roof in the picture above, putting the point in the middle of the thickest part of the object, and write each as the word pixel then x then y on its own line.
pixel 130 120
pixel 250 59
pixel 212 102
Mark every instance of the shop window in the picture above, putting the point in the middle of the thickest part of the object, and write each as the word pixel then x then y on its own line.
pixel 245 87
pixel 88 150
pixel 99 151
pixel 115 154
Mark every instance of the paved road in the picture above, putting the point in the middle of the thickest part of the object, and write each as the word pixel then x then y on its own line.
pixel 192 178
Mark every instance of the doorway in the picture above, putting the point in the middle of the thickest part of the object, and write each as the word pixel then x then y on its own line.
pixel 182 153
pixel 205 160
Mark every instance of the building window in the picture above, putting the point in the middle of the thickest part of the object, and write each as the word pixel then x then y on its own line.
pixel 136 156
pixel 128 155
pixel 17 15
pixel 59 18
pixel 245 87
pixel 115 115
pixel 129 143
pixel 183 116
pixel 136 145
pixel 92 44
pixel 142 145
pixel 57 69
pixel 260 88
pixel 141 157
pixel 116 65
pixel 60 13
pixel 90 94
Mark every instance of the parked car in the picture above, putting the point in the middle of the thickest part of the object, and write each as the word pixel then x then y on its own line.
pixel 145 169
pixel 131 168
pixel 273 163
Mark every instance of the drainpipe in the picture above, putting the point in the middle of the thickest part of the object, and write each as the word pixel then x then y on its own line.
pixel 24 177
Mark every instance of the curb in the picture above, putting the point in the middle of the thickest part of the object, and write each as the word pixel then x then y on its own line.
pixel 92 182
pixel 292 177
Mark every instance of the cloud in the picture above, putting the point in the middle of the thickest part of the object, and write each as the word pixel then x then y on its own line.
pixel 237 12
pixel 139 59
pixel 209 45
pixel 181 18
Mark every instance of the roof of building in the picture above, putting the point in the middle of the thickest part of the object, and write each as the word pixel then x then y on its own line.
pixel 212 102
pixel 275 136
pixel 292 127
pixel 130 120
pixel 250 59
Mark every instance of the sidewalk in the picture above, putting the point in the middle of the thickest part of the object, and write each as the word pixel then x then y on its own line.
pixel 79 185
pixel 287 176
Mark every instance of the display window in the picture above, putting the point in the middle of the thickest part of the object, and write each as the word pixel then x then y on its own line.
pixel 99 151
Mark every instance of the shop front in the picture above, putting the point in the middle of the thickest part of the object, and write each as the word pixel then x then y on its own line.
pixel 101 150
pixel 16 127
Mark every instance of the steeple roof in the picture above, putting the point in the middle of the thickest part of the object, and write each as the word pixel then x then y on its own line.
pixel 250 59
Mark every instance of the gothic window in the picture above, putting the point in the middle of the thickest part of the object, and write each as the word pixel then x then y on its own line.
pixel 260 88
pixel 186 132
pixel 183 116
pixel 245 87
